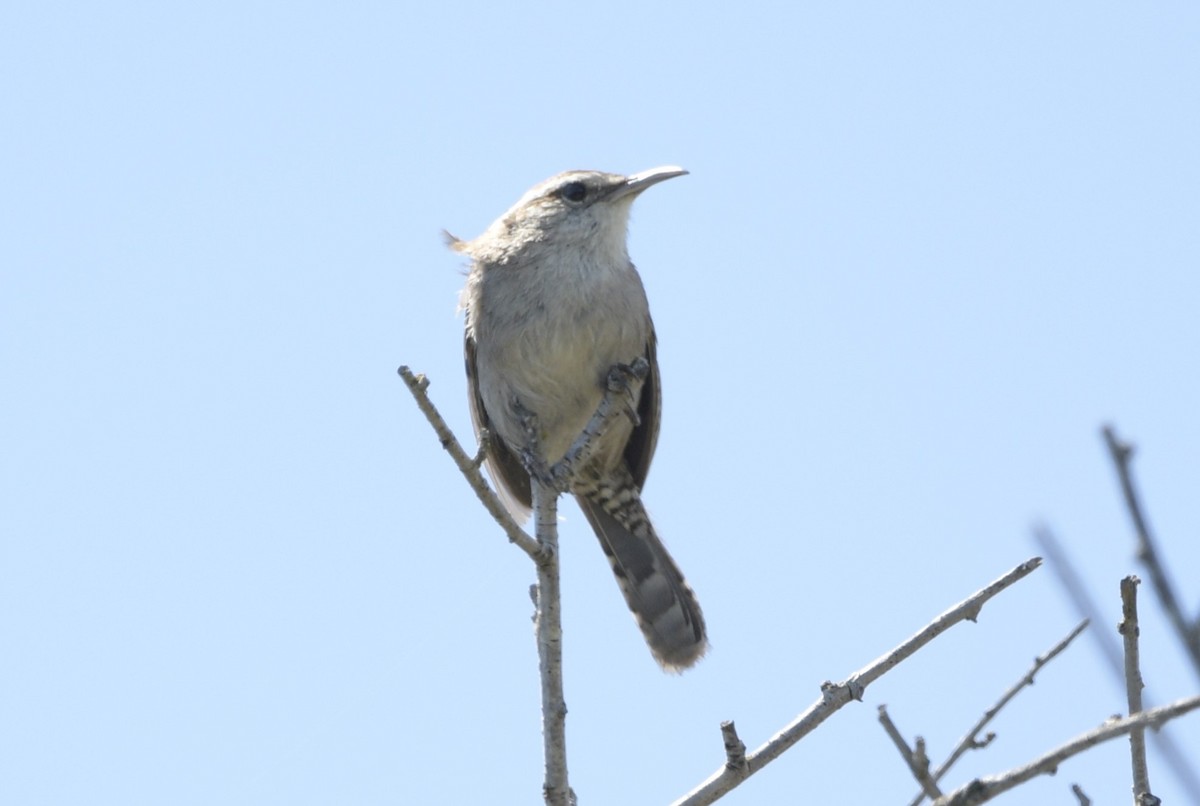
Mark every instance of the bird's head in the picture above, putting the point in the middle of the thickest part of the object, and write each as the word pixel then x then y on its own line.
pixel 575 210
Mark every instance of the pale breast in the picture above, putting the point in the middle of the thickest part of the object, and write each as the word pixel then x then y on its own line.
pixel 550 345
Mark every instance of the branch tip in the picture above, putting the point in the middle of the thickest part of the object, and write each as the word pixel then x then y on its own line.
pixel 735 748
pixel 1146 552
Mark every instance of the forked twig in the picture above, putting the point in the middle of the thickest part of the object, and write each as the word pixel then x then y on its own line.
pixel 835 695
pixel 546 482
pixel 982 790
pixel 971 739
pixel 418 385
pixel 917 760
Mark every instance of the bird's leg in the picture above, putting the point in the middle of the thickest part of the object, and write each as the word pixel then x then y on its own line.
pixel 531 455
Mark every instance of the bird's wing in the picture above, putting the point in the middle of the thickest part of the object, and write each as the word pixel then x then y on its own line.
pixel 640 448
pixel 505 468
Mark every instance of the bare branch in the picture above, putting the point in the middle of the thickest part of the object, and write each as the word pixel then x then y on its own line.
pixel 1179 763
pixel 982 790
pixel 1128 628
pixel 735 748
pixel 468 466
pixel 556 789
pixel 918 762
pixel 1189 634
pixel 971 739
pixel 546 485
pixel 834 696
pixel 1084 800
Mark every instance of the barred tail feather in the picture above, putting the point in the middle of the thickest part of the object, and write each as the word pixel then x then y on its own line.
pixel 654 588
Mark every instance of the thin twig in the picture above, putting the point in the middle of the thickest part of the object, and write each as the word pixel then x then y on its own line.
pixel 1189 634
pixel 1179 763
pixel 971 739
pixel 735 748
pixel 982 790
pixel 468 466
pixel 1084 800
pixel 556 788
pixel 546 484
pixel 918 767
pixel 834 696
pixel 1129 630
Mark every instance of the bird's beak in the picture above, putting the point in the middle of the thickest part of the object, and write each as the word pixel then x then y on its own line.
pixel 636 183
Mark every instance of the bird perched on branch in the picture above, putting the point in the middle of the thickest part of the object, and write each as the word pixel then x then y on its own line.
pixel 552 304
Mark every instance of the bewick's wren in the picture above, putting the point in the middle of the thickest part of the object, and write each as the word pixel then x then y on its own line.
pixel 552 304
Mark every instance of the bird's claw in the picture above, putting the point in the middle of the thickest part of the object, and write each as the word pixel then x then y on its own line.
pixel 622 378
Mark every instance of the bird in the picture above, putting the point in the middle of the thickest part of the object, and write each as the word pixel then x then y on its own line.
pixel 552 304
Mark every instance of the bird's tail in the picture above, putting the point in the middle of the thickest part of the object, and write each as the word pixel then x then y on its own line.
pixel 654 588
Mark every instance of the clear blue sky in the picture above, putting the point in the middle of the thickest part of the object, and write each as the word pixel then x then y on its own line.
pixel 924 252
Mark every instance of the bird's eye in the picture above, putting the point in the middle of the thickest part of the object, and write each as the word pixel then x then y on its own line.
pixel 574 192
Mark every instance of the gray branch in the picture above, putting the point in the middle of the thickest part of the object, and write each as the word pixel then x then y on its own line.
pixel 548 624
pixel 468 466
pixel 1189 634
pixel 918 761
pixel 1129 630
pixel 981 790
pixel 546 482
pixel 836 695
pixel 971 739
pixel 735 748
pixel 1177 761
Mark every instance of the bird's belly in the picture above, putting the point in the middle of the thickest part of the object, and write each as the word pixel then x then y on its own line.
pixel 557 371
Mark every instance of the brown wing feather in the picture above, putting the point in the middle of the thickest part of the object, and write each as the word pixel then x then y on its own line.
pixel 640 448
pixel 512 482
